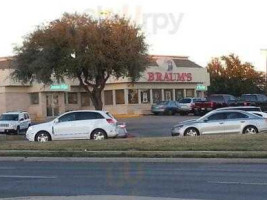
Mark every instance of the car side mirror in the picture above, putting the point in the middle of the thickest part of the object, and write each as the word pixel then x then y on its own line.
pixel 205 120
pixel 56 121
pixel 21 119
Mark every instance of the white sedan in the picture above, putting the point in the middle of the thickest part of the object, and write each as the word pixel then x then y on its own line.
pixel 83 124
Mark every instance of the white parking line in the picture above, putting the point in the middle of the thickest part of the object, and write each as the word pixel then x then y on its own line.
pixel 31 177
pixel 236 183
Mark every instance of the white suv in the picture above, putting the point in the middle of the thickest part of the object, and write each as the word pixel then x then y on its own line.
pixel 14 122
pixel 82 124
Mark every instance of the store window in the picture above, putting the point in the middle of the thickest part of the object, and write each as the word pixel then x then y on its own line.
pixel 108 97
pixel 190 93
pixel 72 98
pixel 119 96
pixel 168 95
pixel 179 94
pixel 156 95
pixel 145 96
pixel 85 99
pixel 133 96
pixel 34 98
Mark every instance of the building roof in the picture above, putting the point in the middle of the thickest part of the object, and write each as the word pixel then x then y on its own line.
pixel 185 63
pixel 6 63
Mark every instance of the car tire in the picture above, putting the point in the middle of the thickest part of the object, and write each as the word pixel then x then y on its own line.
pixel 250 130
pixel 99 134
pixel 42 137
pixel 191 132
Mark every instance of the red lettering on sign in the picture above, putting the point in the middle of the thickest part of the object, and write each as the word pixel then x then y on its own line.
pixel 166 77
pixel 189 77
pixel 181 76
pixel 150 76
pixel 158 76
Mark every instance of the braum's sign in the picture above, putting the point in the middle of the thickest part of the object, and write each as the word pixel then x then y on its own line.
pixel 169 77
pixel 60 87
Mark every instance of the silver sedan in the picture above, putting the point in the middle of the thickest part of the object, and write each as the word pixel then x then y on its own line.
pixel 225 121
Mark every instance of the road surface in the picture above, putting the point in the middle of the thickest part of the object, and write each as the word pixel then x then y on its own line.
pixel 185 180
pixel 153 126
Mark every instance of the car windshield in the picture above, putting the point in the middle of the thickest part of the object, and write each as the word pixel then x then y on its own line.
pixel 185 101
pixel 162 103
pixel 249 97
pixel 216 98
pixel 9 117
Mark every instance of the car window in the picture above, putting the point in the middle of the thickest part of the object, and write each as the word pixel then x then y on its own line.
pixel 25 116
pixel 185 100
pixel 88 115
pixel 9 117
pixel 236 115
pixel 258 114
pixel 249 97
pixel 216 116
pixel 67 117
pixel 218 99
pixel 162 103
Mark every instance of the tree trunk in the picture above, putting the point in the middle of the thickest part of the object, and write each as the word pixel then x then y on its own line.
pixel 96 99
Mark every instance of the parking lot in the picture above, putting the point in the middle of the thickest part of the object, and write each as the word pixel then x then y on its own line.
pixel 152 125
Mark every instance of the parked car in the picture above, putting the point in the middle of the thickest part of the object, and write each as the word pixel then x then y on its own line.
pixel 82 124
pixel 187 105
pixel 251 109
pixel 259 100
pixel 213 102
pixel 14 122
pixel 224 121
pixel 165 107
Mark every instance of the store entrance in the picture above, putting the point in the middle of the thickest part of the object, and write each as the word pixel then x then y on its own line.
pixel 52 105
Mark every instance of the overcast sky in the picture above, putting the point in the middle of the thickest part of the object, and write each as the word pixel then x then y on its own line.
pixel 200 29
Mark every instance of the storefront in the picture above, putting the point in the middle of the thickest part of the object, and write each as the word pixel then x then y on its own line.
pixel 168 78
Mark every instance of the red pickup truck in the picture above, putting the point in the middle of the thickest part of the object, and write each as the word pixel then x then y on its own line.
pixel 213 102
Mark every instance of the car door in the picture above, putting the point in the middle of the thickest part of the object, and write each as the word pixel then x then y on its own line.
pixel 86 123
pixel 22 121
pixel 66 128
pixel 234 122
pixel 213 124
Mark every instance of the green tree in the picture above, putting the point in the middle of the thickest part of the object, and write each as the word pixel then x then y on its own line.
pixel 83 48
pixel 229 75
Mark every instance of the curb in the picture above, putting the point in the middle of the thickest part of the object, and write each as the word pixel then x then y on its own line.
pixel 135 154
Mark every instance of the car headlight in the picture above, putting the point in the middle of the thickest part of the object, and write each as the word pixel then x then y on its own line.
pixel 30 128
pixel 178 127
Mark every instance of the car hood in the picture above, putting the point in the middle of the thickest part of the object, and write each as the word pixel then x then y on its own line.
pixel 8 122
pixel 187 122
pixel 46 124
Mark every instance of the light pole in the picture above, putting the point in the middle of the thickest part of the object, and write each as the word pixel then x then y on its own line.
pixel 264 52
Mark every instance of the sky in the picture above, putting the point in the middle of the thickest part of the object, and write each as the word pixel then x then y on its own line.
pixel 200 29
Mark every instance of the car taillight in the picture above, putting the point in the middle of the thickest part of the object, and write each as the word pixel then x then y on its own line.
pixel 212 104
pixel 111 121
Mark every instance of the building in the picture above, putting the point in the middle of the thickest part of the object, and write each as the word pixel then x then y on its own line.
pixel 168 78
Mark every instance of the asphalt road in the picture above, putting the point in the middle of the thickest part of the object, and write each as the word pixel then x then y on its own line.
pixel 185 180
pixel 152 125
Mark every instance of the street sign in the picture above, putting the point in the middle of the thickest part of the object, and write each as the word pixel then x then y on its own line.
pixel 60 87
pixel 201 87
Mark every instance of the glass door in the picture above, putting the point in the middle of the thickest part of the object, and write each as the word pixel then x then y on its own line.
pixel 52 105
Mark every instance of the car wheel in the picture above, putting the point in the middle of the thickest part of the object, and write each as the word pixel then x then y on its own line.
pixel 99 135
pixel 42 137
pixel 191 132
pixel 250 130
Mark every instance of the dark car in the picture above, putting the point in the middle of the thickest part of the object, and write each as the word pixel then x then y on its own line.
pixel 213 102
pixel 165 107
